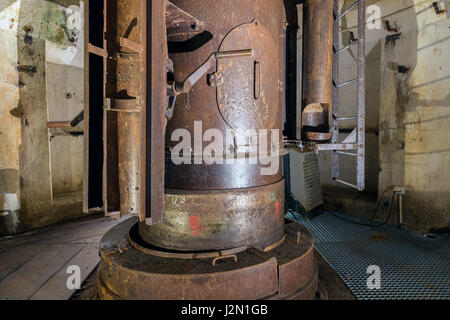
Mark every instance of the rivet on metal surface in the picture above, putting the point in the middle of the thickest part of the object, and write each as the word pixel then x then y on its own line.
pixel 215 79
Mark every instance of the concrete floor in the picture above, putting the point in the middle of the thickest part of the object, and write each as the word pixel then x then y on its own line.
pixel 33 265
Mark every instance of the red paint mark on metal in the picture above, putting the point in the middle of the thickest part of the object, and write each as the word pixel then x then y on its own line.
pixel 195 228
pixel 277 211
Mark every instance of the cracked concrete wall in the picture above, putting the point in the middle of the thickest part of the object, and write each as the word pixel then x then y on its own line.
pixel 415 109
pixel 65 99
pixel 32 32
pixel 10 123
pixel 408 114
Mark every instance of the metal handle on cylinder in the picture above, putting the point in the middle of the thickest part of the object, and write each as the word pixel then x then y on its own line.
pixel 257 80
pixel 186 86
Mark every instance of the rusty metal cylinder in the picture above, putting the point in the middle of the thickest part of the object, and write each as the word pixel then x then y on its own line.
pixel 221 206
pixel 128 152
pixel 317 68
pixel 123 89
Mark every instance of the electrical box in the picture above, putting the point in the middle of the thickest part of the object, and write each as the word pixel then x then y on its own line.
pixel 304 178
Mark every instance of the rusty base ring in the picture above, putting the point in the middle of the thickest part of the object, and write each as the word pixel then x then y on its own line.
pixel 214 220
pixel 137 242
pixel 288 271
pixel 318 136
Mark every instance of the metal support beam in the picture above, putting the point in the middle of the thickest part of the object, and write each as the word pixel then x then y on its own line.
pixel 335 101
pixel 360 170
pixel 153 124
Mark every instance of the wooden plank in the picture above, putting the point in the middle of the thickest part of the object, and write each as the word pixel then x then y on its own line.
pixel 81 235
pixel 56 287
pixel 62 233
pixel 32 275
pixel 34 264
pixel 13 259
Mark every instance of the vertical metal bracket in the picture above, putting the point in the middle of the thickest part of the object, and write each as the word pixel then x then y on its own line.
pixel 153 90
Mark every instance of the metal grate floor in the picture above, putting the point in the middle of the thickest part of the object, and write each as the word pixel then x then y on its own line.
pixel 412 266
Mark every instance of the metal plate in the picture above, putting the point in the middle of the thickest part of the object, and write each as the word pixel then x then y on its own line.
pixel 153 121
pixel 296 273
pixel 180 24
pixel 249 92
pixel 134 274
pixel 217 220
pixel 218 176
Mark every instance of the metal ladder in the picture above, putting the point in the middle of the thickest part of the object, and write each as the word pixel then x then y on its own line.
pixel 356 139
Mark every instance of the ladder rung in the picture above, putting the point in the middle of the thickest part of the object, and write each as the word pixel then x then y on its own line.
pixel 345 48
pixel 347 153
pixel 346 183
pixel 345 83
pixel 347 10
pixel 346 118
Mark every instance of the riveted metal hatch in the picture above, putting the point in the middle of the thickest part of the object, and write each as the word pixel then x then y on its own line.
pixel 249 86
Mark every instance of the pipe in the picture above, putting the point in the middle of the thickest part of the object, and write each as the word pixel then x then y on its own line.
pixel 317 65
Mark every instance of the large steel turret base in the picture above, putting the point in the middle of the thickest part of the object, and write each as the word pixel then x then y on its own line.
pixel 132 270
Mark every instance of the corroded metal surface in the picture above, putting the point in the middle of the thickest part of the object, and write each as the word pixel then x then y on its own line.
pixel 217 220
pixel 180 24
pixel 153 121
pixel 314 114
pixel 318 61
pixel 128 135
pixel 137 242
pixel 318 136
pixel 295 273
pixel 134 274
pixel 223 231
pixel 234 97
pixel 249 94
pixel 128 153
pixel 218 176
pixel 123 78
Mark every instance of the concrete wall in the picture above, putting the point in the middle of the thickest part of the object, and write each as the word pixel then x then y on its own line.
pixel 40 62
pixel 408 114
